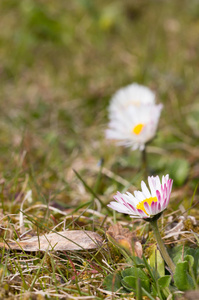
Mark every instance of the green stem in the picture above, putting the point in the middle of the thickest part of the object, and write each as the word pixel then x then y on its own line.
pixel 144 163
pixel 161 245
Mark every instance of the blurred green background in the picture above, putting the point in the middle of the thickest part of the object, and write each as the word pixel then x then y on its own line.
pixel 60 63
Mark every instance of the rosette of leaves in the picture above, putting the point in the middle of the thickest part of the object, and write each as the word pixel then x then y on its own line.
pixel 141 279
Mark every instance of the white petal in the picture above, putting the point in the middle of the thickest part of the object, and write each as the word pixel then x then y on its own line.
pixel 119 207
pixel 166 178
pixel 133 94
pixel 158 183
pixel 139 195
pixel 131 199
pixel 152 187
pixel 147 208
pixel 145 190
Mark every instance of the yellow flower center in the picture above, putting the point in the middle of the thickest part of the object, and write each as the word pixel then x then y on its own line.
pixel 138 128
pixel 140 205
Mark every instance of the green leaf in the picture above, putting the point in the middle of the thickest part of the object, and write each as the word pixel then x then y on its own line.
pixel 179 170
pixel 156 260
pixel 164 281
pixel 130 282
pixel 154 290
pixel 195 254
pixel 182 279
pixel 176 254
pixel 112 282
pixel 137 261
pixel 189 259
pixel 135 272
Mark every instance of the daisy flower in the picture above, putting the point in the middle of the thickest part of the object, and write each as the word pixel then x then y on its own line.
pixel 146 203
pixel 134 126
pixel 133 94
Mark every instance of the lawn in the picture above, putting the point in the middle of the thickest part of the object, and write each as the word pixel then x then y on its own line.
pixel 60 63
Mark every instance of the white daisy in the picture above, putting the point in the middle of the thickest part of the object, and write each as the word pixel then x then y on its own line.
pixel 134 126
pixel 133 116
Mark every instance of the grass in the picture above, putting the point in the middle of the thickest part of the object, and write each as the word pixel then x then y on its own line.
pixel 60 64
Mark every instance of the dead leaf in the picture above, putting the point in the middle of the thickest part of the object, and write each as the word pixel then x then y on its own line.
pixel 175 231
pixel 189 295
pixel 58 241
pixel 124 238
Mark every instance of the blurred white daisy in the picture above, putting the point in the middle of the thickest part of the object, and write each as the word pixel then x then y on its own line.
pixel 146 203
pixel 133 116
pixel 133 94
pixel 134 126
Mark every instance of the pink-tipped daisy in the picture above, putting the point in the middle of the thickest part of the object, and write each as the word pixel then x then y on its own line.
pixel 146 203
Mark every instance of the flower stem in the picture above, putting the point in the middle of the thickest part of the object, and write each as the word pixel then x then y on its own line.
pixel 161 245
pixel 144 163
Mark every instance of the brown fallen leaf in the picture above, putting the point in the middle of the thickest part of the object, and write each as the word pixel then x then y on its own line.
pixel 58 241
pixel 124 238
pixel 189 295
